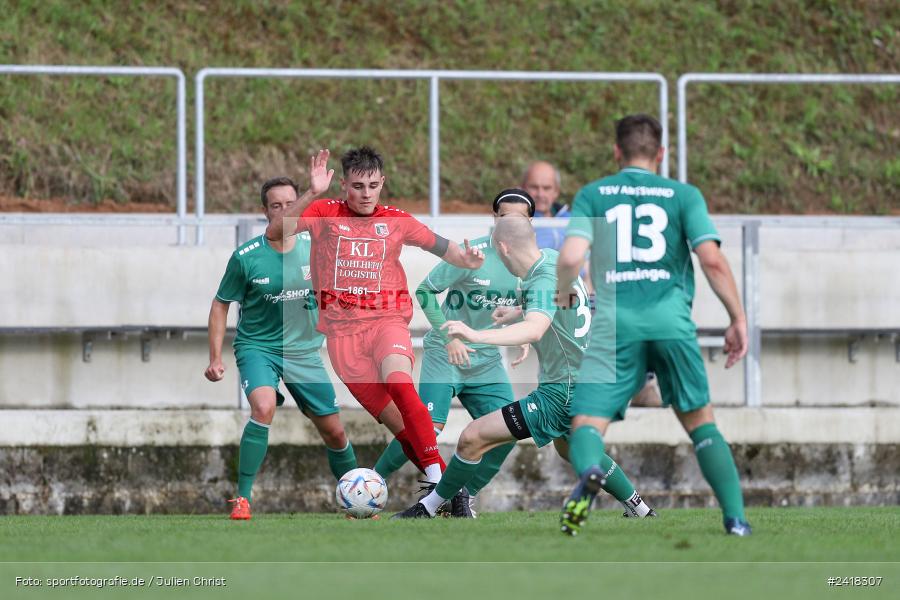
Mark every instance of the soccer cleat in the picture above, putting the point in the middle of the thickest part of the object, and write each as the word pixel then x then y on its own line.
pixel 737 527
pixel 577 507
pixel 472 507
pixel 460 505
pixel 416 511
pixel 241 509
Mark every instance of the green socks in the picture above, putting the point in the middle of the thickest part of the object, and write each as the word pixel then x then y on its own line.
pixel 490 465
pixel 254 443
pixel 717 466
pixel 341 461
pixel 391 459
pixel 617 483
pixel 458 474
pixel 585 448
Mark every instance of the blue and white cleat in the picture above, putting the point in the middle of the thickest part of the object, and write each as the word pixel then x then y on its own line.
pixel 577 507
pixel 737 527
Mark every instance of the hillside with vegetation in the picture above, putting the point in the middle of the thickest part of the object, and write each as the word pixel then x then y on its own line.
pixel 753 149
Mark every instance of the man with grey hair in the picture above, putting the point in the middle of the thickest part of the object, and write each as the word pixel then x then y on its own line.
pixel 542 180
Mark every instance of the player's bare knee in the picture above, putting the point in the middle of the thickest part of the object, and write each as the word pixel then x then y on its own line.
pixel 470 443
pixel 695 418
pixel 332 431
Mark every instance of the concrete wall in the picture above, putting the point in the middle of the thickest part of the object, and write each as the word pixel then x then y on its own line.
pixel 93 276
pixel 178 461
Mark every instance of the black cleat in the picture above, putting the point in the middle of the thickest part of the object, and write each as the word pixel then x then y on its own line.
pixel 416 511
pixel 577 507
pixel 460 505
pixel 737 527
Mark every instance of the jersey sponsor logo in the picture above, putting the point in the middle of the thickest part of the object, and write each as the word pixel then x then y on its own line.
pixel 244 251
pixel 400 347
pixel 381 229
pixel 260 280
pixel 286 296
pixel 639 190
pixel 343 227
pixel 358 263
pixel 531 406
pixel 480 281
pixel 307 275
pixel 637 275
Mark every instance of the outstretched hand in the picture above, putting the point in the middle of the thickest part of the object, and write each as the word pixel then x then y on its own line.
pixel 523 354
pixel 473 257
pixel 459 330
pixel 319 173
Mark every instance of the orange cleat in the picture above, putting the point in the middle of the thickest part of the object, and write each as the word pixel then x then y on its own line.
pixel 241 510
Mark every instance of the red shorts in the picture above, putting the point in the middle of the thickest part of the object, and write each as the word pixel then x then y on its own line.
pixel 357 360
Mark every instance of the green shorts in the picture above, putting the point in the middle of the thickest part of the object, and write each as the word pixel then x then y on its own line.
pixel 545 413
pixel 304 377
pixel 678 365
pixel 481 390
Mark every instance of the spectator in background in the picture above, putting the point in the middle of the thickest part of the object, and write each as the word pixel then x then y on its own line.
pixel 542 181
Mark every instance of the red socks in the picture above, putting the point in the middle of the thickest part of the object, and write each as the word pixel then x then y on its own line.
pixel 418 437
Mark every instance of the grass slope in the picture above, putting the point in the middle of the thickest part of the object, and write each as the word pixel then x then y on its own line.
pixel 681 554
pixel 753 149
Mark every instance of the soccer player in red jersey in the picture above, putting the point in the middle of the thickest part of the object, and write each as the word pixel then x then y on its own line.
pixel 364 302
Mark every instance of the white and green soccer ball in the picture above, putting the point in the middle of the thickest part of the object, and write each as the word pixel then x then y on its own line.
pixel 362 493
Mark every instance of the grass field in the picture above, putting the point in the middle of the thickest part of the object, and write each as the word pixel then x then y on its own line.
pixel 684 552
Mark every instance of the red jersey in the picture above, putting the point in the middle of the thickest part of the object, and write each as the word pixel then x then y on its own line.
pixel 355 263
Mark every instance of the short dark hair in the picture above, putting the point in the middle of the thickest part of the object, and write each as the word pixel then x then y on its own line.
pixel 364 160
pixel 272 183
pixel 514 196
pixel 638 136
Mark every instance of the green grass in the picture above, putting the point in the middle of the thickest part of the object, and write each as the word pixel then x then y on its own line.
pixel 753 148
pixel 791 550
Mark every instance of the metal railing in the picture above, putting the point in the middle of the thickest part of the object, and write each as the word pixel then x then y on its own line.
pixel 758 78
pixel 180 103
pixel 434 77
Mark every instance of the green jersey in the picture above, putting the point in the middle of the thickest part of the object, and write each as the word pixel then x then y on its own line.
pixel 561 347
pixel 278 308
pixel 472 297
pixel 642 228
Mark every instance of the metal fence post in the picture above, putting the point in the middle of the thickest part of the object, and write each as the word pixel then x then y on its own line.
pixel 434 119
pixel 750 253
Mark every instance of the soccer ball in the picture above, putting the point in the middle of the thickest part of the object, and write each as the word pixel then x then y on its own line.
pixel 362 493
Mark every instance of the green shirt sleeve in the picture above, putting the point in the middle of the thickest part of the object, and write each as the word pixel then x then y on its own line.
pixel 428 300
pixel 698 227
pixel 539 293
pixel 233 284
pixel 581 223
pixel 443 276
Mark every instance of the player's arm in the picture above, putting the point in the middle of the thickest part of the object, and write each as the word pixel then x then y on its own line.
pixel 319 180
pixel 218 319
pixel 570 261
pixel 527 331
pixel 721 280
pixel 457 351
